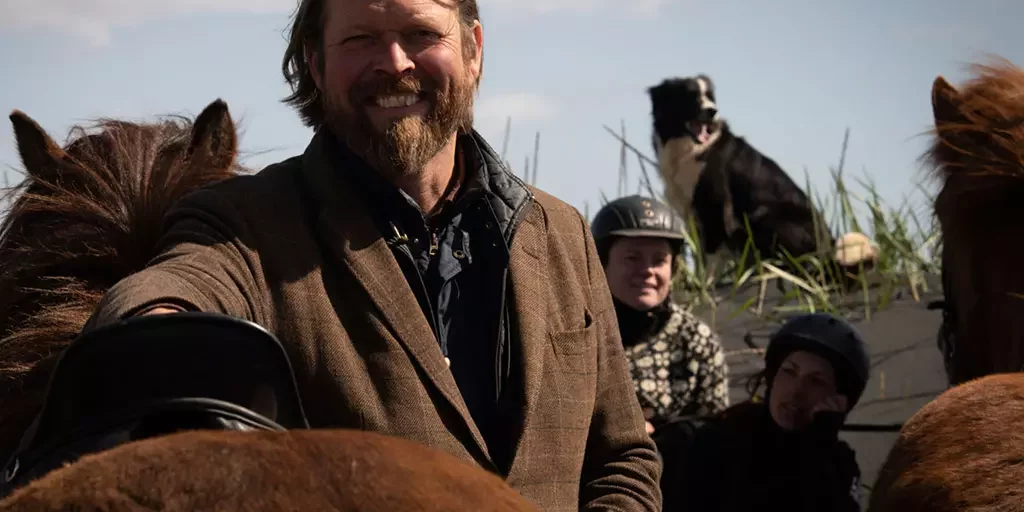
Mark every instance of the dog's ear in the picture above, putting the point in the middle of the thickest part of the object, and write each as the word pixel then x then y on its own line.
pixel 946 103
pixel 707 80
pixel 656 94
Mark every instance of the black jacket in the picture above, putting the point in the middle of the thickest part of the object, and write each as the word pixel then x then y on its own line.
pixel 743 461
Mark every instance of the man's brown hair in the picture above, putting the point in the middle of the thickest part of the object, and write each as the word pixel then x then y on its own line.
pixel 308 29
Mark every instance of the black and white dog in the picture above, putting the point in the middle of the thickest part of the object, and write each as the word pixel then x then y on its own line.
pixel 719 180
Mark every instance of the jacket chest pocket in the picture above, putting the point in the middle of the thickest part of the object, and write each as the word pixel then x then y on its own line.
pixel 576 349
pixel 572 378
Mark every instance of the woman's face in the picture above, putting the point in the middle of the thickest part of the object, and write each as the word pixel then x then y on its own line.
pixel 805 383
pixel 639 271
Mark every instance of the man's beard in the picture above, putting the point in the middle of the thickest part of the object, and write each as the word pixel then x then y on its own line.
pixel 403 148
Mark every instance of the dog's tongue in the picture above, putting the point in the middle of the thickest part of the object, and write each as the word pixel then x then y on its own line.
pixel 700 130
pixel 704 134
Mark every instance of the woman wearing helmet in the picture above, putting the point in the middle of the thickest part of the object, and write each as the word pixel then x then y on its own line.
pixel 783 451
pixel 676 360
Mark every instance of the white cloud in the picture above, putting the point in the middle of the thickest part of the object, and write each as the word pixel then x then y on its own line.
pixel 521 106
pixel 92 20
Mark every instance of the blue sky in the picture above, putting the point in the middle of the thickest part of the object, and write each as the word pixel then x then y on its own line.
pixel 791 74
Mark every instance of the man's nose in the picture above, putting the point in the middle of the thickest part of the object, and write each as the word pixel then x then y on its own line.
pixel 395 60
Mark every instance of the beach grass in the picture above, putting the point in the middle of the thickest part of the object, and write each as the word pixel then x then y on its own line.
pixel 905 236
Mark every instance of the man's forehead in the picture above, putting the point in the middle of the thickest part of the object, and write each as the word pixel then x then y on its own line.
pixel 391 4
pixel 408 7
pixel 370 13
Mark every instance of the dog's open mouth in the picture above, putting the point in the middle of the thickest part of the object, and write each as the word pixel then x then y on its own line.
pixel 701 130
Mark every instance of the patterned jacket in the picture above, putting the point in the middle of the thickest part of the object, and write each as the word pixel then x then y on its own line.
pixel 677 362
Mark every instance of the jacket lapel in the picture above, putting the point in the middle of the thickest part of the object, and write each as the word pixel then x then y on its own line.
pixel 349 235
pixel 528 274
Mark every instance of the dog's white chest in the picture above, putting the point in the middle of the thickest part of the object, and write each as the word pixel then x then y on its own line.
pixel 680 170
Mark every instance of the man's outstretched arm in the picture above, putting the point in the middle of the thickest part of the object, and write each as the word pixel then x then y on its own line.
pixel 205 262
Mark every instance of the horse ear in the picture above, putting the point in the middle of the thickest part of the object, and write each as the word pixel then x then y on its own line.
pixel 945 102
pixel 214 140
pixel 38 151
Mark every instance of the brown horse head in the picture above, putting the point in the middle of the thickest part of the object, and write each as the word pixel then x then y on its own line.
pixel 85 216
pixel 978 156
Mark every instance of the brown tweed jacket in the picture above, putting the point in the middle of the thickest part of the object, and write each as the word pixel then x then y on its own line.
pixel 321 277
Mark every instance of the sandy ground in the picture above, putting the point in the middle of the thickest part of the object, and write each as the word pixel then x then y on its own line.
pixel 906 367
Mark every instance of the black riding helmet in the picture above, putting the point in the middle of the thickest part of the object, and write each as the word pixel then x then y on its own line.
pixel 830 337
pixel 635 216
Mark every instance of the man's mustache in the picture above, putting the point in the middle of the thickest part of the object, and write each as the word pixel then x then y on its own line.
pixel 383 86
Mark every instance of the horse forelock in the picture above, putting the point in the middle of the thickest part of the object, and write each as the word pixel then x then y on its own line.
pixel 76 227
pixel 986 136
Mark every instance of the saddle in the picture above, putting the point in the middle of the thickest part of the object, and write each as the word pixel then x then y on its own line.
pixel 156 375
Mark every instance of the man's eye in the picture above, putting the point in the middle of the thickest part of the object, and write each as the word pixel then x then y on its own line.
pixel 356 39
pixel 425 34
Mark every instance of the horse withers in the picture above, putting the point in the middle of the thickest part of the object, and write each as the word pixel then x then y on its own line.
pixel 338 470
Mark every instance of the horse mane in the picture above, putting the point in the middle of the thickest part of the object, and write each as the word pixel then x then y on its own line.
pixel 84 217
pixel 977 154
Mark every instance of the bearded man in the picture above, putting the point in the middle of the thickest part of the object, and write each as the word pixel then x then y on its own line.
pixel 421 288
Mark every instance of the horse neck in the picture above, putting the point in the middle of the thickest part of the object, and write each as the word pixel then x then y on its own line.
pixel 984 271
